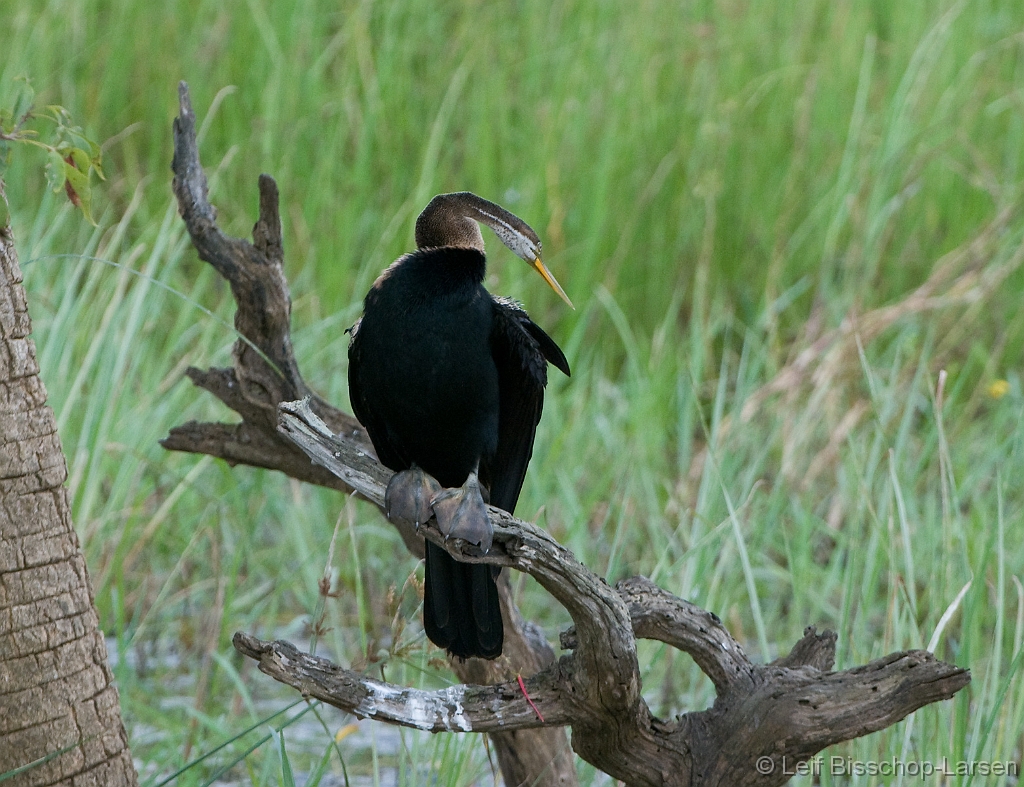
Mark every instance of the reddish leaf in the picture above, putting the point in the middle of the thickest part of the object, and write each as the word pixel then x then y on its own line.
pixel 69 189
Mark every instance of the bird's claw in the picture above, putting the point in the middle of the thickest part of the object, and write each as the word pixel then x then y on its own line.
pixel 461 513
pixel 409 495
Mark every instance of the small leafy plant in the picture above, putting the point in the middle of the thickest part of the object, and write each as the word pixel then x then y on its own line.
pixel 73 157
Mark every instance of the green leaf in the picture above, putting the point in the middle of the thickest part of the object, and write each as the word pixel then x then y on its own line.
pixel 72 156
pixel 286 765
pixel 96 158
pixel 24 99
pixel 79 180
pixel 60 115
pixel 81 160
pixel 55 171
pixel 78 189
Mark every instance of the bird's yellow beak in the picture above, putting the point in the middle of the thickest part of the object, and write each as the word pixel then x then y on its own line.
pixel 542 269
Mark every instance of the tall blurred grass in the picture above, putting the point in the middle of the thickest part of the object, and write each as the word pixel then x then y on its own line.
pixel 780 223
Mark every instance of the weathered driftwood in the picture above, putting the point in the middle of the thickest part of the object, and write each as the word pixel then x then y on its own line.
pixel 265 374
pixel 790 709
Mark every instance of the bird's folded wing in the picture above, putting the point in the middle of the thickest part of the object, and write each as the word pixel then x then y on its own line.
pixel 521 353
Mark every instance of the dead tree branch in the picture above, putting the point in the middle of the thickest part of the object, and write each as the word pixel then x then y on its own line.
pixel 790 709
pixel 265 374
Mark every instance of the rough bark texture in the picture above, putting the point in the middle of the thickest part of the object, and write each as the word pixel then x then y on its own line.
pixel 265 374
pixel 792 708
pixel 766 719
pixel 56 691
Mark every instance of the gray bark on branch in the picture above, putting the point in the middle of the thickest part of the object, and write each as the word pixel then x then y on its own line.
pixel 792 708
pixel 265 373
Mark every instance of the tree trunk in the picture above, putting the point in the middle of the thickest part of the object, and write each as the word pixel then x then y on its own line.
pixel 59 709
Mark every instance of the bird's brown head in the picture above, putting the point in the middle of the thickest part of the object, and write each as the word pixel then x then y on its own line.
pixel 452 220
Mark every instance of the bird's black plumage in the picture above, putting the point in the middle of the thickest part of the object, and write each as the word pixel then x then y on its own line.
pixel 449 378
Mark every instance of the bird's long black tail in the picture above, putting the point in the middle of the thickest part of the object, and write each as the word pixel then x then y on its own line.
pixel 461 611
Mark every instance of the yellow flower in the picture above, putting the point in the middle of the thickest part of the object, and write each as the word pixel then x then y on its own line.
pixel 998 389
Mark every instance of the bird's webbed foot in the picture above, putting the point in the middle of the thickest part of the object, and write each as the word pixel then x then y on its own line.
pixel 462 513
pixel 408 496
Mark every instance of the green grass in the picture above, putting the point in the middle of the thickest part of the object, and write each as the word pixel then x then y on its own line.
pixel 757 208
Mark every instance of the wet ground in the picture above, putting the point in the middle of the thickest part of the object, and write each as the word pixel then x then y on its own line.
pixel 375 754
